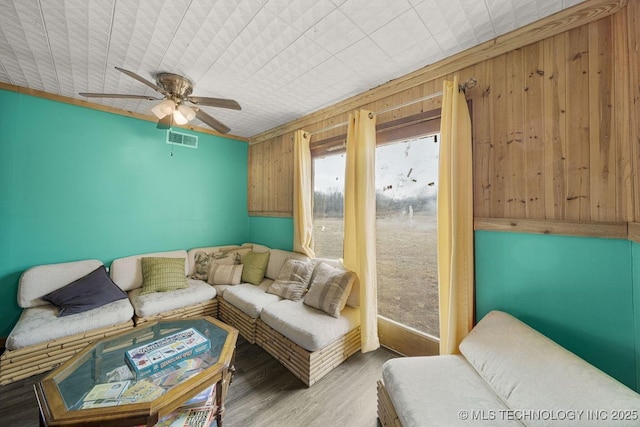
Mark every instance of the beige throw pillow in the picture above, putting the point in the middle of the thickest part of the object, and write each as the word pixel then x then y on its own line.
pixel 330 289
pixel 224 274
pixel 293 279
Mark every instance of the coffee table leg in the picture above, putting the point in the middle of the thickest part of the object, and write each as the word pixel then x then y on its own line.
pixel 221 393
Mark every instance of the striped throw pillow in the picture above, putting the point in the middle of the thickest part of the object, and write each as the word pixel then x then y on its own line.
pixel 330 289
pixel 224 274
pixel 292 280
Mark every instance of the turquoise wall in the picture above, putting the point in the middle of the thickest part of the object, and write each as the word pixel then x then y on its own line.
pixel 578 291
pixel 273 232
pixel 77 183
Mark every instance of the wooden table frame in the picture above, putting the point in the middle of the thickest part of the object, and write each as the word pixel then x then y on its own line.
pixel 53 411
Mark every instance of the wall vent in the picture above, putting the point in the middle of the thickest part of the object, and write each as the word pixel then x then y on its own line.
pixel 182 139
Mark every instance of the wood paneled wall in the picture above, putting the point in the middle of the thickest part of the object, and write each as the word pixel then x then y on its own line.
pixel 556 121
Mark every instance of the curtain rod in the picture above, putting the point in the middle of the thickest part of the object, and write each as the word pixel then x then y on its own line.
pixel 471 82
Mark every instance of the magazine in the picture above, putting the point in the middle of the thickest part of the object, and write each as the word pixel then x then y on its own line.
pixel 107 391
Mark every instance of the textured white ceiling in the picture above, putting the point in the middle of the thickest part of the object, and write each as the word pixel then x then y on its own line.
pixel 280 59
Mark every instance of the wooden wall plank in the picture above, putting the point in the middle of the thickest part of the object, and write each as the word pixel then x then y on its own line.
pixel 554 127
pixel 482 147
pixel 497 122
pixel 577 95
pixel 633 37
pixel 602 153
pixel 621 124
pixel 533 136
pixel 515 198
pixel 611 230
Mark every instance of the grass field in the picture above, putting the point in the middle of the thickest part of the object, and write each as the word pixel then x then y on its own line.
pixel 407 269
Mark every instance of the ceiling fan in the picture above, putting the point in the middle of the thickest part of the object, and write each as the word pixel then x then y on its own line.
pixel 173 109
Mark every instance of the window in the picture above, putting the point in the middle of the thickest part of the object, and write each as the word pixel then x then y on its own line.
pixel 406 190
pixel 328 205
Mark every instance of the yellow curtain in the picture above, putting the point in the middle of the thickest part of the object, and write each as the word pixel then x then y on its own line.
pixel 302 195
pixel 455 220
pixel 360 220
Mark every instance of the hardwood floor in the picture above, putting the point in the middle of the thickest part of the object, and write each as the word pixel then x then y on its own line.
pixel 263 393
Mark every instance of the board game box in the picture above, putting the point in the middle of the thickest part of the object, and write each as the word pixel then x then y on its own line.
pixel 166 351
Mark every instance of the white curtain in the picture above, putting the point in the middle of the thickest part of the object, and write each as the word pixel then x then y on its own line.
pixel 455 220
pixel 360 220
pixel 302 195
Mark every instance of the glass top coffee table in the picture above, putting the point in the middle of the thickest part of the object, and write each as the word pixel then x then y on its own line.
pixel 175 361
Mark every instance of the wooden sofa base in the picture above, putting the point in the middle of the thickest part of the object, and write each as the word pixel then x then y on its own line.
pixel 386 412
pixel 306 365
pixel 205 308
pixel 235 317
pixel 25 362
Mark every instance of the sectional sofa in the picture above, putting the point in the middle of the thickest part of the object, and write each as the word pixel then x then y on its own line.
pixel 309 333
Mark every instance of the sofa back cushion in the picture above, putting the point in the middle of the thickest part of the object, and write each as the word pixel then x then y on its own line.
pixel 127 272
pixel 38 281
pixel 529 371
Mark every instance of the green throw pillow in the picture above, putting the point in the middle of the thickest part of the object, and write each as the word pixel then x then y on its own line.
pixel 255 264
pixel 162 275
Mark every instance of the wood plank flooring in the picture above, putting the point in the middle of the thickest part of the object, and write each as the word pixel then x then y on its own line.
pixel 263 393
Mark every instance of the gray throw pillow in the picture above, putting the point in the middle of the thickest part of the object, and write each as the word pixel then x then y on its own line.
pixel 330 289
pixel 91 291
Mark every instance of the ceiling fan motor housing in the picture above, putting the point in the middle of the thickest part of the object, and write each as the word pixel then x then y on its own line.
pixel 174 84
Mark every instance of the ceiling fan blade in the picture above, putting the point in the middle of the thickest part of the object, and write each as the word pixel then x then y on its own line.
pixel 143 80
pixel 215 102
pixel 165 122
pixel 217 125
pixel 118 95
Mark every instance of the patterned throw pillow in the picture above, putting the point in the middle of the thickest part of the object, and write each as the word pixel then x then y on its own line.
pixel 330 289
pixel 162 274
pixel 229 257
pixel 201 265
pixel 292 280
pixel 255 265
pixel 222 274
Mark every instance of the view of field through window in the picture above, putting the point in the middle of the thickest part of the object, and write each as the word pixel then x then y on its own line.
pixel 406 190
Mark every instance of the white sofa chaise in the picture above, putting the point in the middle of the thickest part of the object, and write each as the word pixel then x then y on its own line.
pixel 507 374
pixel 41 339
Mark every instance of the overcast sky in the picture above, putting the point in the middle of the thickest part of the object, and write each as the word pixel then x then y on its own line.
pixel 403 169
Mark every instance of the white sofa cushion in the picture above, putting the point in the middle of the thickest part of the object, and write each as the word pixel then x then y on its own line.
pixel 433 390
pixel 311 329
pixel 40 280
pixel 127 272
pixel 157 302
pixel 530 371
pixel 250 299
pixel 41 324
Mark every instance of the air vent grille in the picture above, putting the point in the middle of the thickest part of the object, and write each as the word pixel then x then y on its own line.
pixel 182 139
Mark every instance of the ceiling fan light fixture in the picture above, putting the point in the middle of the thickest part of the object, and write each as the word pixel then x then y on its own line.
pixel 164 108
pixel 187 112
pixel 179 118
